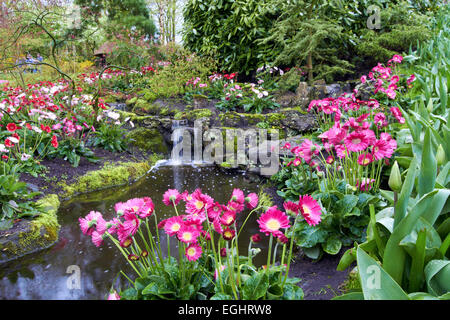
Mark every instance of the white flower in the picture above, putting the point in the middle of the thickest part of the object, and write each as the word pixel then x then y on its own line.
pixel 3 148
pixel 13 140
pixel 36 129
pixel 113 115
pixel 25 157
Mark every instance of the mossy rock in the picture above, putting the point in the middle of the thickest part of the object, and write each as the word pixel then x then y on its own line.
pixel 149 139
pixel 199 114
pixel 131 101
pixel 111 175
pixel 29 236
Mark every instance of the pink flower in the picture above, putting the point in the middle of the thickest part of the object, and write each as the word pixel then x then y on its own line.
pixel 272 221
pixel 88 223
pixel 251 200
pixel 199 202
pixel 173 225
pixel 228 218
pixel 228 234
pixel 97 238
pixel 411 79
pixel 365 185
pixel 365 159
pixel 291 208
pixel 255 238
pixel 214 211
pixel 129 227
pixel 193 252
pixel 356 141
pixel 238 196
pixel 397 58
pixel 188 234
pixel 113 295
pixel 380 120
pixel 310 209
pixel 397 114
pixel 171 196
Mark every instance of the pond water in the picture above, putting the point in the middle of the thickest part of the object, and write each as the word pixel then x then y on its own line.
pixel 46 275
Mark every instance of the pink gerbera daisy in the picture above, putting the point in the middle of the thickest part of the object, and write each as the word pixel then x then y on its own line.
pixel 365 159
pixel 291 207
pixel 251 200
pixel 193 252
pixel 97 238
pixel 272 221
pixel 89 223
pixel 171 196
pixel 228 218
pixel 238 196
pixel 199 202
pixel 173 225
pixel 214 211
pixel 188 233
pixel 356 141
pixel 310 209
pixel 228 234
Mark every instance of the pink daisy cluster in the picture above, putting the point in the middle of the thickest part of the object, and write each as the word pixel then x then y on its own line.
pixel 273 220
pixel 200 208
pixel 125 225
pixel 354 130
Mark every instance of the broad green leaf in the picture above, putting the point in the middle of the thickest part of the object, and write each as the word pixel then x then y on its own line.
pixel 376 283
pixel 256 286
pixel 428 167
pixel 350 296
pixel 332 246
pixel 437 275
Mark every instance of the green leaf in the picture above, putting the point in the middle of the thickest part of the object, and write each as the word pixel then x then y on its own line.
pixel 350 296
pixel 428 167
pixel 221 296
pixel 437 276
pixel 256 286
pixel 376 283
pixel 332 246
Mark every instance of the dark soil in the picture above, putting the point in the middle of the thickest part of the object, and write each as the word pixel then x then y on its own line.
pixel 58 169
pixel 319 279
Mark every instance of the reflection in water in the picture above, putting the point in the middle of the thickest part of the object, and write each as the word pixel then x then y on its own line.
pixel 44 275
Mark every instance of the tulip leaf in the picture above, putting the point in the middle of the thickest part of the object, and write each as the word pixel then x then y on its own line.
pixel 437 275
pixel 376 283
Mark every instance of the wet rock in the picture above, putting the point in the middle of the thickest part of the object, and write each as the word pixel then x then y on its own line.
pixel 298 121
pixel 303 93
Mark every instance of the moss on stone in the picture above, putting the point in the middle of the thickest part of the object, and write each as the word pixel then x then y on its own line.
pixel 110 175
pixel 198 114
pixel 47 220
pixel 131 101
pixel 149 139
pixel 33 235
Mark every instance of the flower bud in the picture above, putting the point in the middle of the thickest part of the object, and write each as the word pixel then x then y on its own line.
pixel 440 155
pixel 395 179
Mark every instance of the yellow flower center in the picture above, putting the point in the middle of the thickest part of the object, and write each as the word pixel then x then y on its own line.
pixel 191 252
pixel 187 236
pixel 198 204
pixel 273 224
pixel 306 210
pixel 176 227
